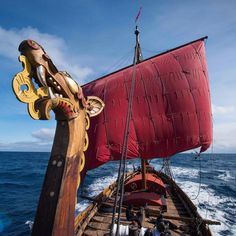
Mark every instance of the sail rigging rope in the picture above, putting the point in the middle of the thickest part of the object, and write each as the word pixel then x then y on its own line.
pixel 123 61
pixel 200 177
pixel 122 163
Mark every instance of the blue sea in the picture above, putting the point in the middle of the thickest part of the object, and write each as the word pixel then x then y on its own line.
pixel 209 180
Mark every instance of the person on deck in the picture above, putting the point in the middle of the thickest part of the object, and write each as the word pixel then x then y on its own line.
pixel 129 213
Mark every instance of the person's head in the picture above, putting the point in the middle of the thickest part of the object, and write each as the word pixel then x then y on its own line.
pixel 159 217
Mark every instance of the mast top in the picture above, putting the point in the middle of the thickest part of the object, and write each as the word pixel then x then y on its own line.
pixel 136 31
pixel 138 53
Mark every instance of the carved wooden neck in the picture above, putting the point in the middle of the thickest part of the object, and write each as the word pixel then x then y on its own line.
pixel 56 208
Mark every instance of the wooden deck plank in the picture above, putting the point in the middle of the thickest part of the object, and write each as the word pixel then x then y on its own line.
pixel 99 225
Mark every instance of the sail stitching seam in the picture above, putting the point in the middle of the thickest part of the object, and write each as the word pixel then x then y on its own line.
pixel 164 91
pixel 105 120
pixel 136 136
pixel 204 72
pixel 149 105
pixel 194 101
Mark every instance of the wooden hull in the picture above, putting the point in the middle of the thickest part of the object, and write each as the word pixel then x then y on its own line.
pixel 179 210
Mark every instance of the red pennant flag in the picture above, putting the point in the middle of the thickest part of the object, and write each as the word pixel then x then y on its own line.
pixel 139 12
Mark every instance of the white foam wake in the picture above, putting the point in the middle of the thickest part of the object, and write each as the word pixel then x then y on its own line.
pixel 97 186
pixel 184 172
pixel 210 205
pixel 225 175
pixel 94 189
pixel 30 223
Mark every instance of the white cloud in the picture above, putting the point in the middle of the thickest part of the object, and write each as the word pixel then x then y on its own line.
pixel 44 138
pixel 224 137
pixel 54 46
pixel 220 110
pixel 44 134
pixel 26 146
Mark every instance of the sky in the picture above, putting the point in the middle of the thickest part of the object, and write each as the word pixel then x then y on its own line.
pixel 92 38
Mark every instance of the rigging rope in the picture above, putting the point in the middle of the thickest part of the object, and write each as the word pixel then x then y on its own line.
pixel 166 167
pixel 200 177
pixel 123 61
pixel 122 164
pixel 125 149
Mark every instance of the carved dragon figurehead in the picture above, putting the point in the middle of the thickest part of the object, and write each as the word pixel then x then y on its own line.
pixel 57 90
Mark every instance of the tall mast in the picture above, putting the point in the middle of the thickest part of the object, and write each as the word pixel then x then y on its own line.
pixel 138 57
pixel 122 165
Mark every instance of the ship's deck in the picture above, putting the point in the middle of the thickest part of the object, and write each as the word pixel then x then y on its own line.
pixel 179 212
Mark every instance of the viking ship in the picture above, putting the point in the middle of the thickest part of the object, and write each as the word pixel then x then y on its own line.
pixel 154 108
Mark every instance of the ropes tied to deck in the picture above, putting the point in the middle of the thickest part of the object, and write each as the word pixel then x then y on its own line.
pixel 166 167
pixel 122 163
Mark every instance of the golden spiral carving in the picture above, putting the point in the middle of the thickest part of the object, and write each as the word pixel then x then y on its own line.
pixel 87 122
pixel 78 181
pixel 30 94
pixel 86 144
pixel 82 162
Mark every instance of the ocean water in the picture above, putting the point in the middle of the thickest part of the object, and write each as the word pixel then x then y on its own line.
pixel 210 181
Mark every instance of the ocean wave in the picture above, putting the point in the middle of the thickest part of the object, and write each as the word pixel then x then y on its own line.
pixel 93 189
pixel 14 185
pixel 215 201
pixel 99 184
pixel 225 175
pixel 30 223
pixel 212 206
pixel 180 172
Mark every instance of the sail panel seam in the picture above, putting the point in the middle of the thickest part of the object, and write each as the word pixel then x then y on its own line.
pixel 132 119
pixel 206 79
pixel 149 106
pixel 168 106
pixel 105 122
pixel 194 101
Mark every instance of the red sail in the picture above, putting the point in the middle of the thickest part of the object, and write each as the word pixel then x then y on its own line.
pixel 171 107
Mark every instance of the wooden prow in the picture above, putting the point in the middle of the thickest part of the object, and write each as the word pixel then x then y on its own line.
pixel 56 208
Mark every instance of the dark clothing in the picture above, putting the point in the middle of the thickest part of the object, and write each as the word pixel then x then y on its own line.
pixel 164 226
pixel 129 214
pixel 148 232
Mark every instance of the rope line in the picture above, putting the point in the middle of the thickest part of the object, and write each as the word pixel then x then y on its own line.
pixel 122 61
pixel 125 145
pixel 122 163
pixel 200 177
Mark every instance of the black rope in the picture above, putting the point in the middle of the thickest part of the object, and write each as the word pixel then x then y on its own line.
pixel 125 146
pixel 119 177
pixel 122 163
